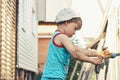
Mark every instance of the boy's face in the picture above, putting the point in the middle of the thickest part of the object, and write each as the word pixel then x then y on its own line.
pixel 72 27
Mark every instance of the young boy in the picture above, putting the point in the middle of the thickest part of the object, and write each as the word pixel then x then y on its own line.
pixel 61 48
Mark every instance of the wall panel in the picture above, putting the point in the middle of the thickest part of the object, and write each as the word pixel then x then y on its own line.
pixel 7 39
pixel 27 54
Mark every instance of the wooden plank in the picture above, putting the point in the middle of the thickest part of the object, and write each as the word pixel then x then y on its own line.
pixel 0 14
pixel 101 7
pixel 74 70
pixel 103 23
pixel 7 57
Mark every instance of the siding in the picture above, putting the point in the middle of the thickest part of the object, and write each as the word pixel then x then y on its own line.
pixel 7 39
pixel 27 54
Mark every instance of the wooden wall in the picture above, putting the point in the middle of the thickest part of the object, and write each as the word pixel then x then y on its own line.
pixel 7 39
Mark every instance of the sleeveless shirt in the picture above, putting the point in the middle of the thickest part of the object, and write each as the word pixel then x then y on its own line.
pixel 57 61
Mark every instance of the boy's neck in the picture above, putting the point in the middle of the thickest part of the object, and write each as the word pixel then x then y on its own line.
pixel 61 30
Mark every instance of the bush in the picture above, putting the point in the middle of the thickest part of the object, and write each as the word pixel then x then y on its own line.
pixel 71 67
pixel 38 76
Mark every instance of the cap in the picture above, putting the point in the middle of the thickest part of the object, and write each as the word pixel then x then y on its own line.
pixel 66 14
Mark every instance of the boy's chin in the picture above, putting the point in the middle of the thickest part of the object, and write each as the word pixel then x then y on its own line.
pixel 72 35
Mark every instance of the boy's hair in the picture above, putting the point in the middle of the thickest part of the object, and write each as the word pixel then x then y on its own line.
pixel 75 20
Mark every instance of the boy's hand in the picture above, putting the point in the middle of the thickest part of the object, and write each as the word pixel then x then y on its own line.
pixel 97 60
pixel 105 54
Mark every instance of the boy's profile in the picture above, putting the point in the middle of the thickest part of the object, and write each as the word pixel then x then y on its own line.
pixel 61 48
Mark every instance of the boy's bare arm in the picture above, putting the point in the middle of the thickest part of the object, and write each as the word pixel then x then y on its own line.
pixel 73 49
pixel 76 52
pixel 90 53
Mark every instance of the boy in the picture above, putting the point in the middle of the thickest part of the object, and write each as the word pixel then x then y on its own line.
pixel 61 48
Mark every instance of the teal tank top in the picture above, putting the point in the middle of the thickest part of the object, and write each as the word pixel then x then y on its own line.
pixel 57 61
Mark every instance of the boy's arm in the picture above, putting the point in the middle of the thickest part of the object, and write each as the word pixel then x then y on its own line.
pixel 91 53
pixel 79 54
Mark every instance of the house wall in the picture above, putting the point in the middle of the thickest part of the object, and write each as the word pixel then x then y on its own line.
pixel 27 49
pixel 42 52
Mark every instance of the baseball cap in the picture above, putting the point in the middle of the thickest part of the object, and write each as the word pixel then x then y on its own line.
pixel 66 14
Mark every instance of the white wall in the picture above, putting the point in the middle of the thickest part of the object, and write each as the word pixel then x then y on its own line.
pixel 27 52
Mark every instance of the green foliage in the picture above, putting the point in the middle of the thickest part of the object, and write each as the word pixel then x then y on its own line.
pixel 38 76
pixel 71 67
